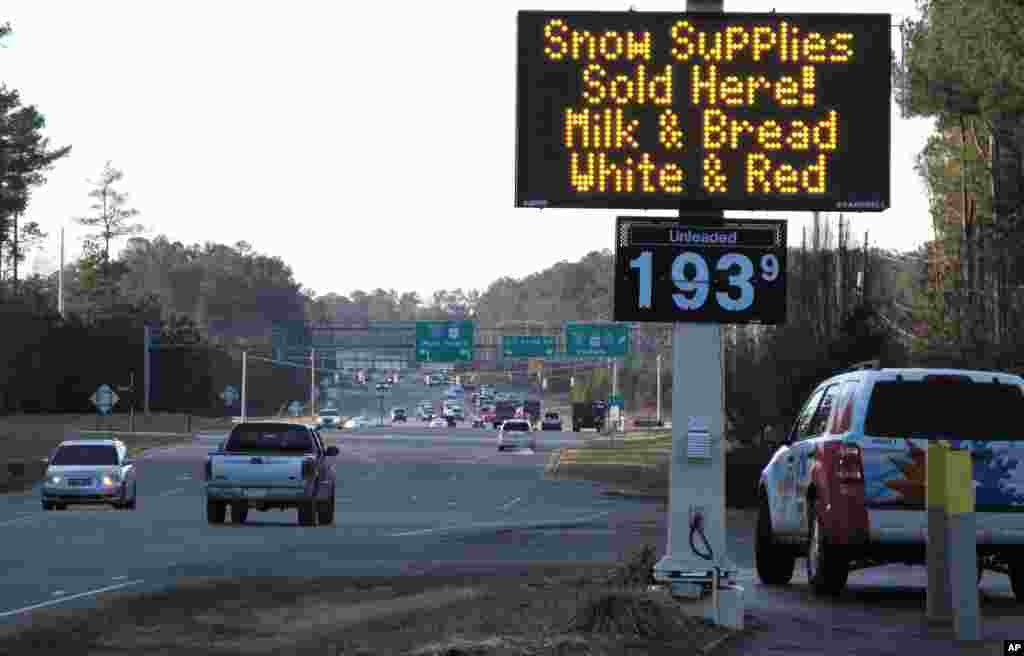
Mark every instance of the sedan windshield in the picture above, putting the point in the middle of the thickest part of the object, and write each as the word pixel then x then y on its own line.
pixel 518 426
pixel 85 454
pixel 328 413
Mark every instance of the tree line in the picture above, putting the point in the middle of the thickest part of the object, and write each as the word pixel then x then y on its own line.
pixel 956 301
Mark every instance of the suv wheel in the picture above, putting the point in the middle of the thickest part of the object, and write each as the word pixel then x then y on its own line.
pixel 215 512
pixel 325 512
pixel 1017 577
pixel 307 513
pixel 828 566
pixel 775 562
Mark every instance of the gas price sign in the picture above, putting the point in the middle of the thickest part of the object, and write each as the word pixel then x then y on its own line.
pixel 700 271
pixel 703 111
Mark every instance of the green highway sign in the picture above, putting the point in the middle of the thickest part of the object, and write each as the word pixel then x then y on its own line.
pixel 527 346
pixel 444 341
pixel 597 339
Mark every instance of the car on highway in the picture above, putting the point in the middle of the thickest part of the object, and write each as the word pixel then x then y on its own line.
pixel 398 414
pixel 382 387
pixel 358 422
pixel 486 415
pixel 516 434
pixel 438 422
pixel 478 422
pixel 846 488
pixel 80 472
pixel 551 421
pixel 328 418
pixel 271 465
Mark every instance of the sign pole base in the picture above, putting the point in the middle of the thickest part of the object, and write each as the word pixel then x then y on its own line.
pixel 696 551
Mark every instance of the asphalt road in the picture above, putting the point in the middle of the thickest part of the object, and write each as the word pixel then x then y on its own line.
pixel 410 499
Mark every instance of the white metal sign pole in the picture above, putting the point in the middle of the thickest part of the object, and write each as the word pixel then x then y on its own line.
pixel 244 353
pixel 697 471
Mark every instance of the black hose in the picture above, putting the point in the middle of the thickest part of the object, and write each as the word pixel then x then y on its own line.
pixel 697 526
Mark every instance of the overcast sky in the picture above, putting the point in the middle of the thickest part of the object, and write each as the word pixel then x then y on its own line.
pixel 366 145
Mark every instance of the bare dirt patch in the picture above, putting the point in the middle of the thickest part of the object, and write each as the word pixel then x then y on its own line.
pixel 545 610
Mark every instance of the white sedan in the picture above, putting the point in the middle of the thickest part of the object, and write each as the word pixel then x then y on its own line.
pixel 358 422
pixel 438 422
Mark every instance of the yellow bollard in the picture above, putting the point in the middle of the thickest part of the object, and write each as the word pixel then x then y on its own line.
pixel 938 598
pixel 963 544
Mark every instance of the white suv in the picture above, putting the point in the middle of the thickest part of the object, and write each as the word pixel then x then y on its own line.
pixel 847 487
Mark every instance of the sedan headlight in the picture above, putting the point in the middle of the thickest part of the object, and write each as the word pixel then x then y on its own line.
pixel 109 480
pixel 55 480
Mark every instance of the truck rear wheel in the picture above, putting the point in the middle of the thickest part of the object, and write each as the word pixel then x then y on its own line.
pixel 325 512
pixel 307 513
pixel 215 512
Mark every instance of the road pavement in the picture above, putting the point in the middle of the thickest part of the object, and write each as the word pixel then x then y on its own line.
pixel 412 499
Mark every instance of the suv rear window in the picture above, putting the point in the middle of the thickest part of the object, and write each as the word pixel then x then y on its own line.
pixel 85 454
pixel 520 426
pixel 292 439
pixel 961 410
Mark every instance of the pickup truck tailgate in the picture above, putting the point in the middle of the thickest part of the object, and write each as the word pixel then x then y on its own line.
pixel 257 471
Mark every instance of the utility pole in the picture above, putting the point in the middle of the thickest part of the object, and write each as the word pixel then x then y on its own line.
pixel 60 286
pixel 147 344
pixel 244 353
pixel 312 383
pixel 658 383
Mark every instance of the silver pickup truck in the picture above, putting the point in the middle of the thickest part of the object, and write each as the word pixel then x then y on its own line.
pixel 268 465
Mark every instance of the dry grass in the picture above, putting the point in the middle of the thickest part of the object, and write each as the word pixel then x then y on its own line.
pixel 571 609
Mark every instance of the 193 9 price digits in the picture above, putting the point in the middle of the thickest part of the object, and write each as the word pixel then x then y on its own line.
pixel 691 276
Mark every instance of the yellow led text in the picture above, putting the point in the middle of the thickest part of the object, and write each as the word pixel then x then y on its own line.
pixel 758 43
pixel 721 131
pixel 590 172
pixel 767 177
pixel 640 88
pixel 605 129
pixel 561 42
pixel 709 86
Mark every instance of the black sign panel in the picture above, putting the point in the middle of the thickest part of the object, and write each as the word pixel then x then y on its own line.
pixel 700 271
pixel 703 111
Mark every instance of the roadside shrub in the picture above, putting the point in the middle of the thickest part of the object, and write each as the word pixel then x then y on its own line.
pixel 629 613
pixel 637 569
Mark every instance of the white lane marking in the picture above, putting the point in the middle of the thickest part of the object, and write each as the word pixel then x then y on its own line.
pixel 185 477
pixel 25 609
pixel 525 525
pixel 511 503
pixel 59 593
pixel 120 578
pixel 168 493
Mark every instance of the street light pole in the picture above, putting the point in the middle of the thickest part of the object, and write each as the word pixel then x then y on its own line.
pixel 244 353
pixel 312 383
pixel 659 389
